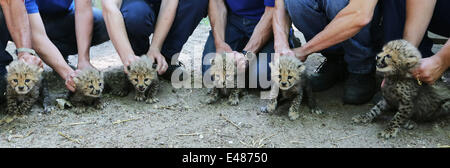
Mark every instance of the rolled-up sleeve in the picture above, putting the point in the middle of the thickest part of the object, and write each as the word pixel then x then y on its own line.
pixel 31 6
pixel 270 3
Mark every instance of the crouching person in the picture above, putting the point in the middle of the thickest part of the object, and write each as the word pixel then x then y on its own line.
pixel 342 31
pixel 131 22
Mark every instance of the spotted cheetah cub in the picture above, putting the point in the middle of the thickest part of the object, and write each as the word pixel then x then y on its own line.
pixel 224 73
pixel 289 75
pixel 89 87
pixel 409 99
pixel 25 87
pixel 143 76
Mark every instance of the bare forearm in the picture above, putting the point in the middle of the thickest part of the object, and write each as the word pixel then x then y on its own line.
pixel 45 48
pixel 281 22
pixel 262 33
pixel 418 17
pixel 164 22
pixel 116 29
pixel 347 23
pixel 217 12
pixel 444 54
pixel 84 22
pixel 17 22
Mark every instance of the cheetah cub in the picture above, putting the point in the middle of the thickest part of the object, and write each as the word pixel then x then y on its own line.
pixel 25 87
pixel 89 88
pixel 289 75
pixel 224 73
pixel 143 76
pixel 402 93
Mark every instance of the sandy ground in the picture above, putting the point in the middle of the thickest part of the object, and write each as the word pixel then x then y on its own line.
pixel 180 120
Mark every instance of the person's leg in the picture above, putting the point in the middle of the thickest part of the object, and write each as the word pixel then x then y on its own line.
pixel 99 34
pixel 234 37
pixel 5 57
pixel 61 31
pixel 310 12
pixel 394 13
pixel 359 57
pixel 440 23
pixel 310 17
pixel 188 16
pixel 139 18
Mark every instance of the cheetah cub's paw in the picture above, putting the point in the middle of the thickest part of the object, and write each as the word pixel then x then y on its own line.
pixel 233 101
pixel 152 100
pixel 293 115
pixel 361 119
pixel 388 133
pixel 139 98
pixel 316 111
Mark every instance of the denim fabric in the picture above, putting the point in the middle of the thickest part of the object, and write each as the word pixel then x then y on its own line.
pixel 140 19
pixel 61 31
pixel 5 57
pixel 394 22
pixel 238 31
pixel 312 16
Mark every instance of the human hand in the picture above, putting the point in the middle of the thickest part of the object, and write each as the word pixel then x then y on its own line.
pixel 223 48
pixel 30 59
pixel 69 82
pixel 241 61
pixel 430 69
pixel 129 60
pixel 155 55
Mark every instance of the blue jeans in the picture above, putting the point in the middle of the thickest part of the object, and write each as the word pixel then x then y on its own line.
pixel 140 19
pixel 237 34
pixel 312 16
pixel 394 22
pixel 5 57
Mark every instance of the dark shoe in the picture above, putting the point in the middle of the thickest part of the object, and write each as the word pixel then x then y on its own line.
pixel 326 75
pixel 168 74
pixel 359 88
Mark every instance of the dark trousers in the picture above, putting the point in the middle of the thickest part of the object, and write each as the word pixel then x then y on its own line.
pixel 5 57
pixel 237 34
pixel 312 16
pixel 60 29
pixel 140 20
pixel 394 12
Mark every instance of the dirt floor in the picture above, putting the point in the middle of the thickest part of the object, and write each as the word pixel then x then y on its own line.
pixel 181 120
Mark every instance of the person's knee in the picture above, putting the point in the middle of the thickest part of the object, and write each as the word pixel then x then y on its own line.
pixel 137 18
pixel 100 31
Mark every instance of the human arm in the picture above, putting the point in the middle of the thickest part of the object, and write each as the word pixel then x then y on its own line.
pixel 347 23
pixel 217 13
pixel 84 23
pixel 281 25
pixel 262 33
pixel 48 51
pixel 432 68
pixel 418 17
pixel 19 28
pixel 164 22
pixel 117 31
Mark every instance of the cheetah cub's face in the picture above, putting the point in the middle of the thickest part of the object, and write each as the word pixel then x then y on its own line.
pixel 397 57
pixel 23 77
pixel 141 73
pixel 286 71
pixel 223 70
pixel 90 82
